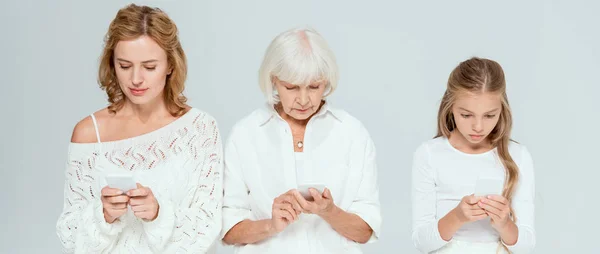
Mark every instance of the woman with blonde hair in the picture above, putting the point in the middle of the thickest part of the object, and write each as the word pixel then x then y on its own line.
pixel 169 154
pixel 300 175
pixel 472 187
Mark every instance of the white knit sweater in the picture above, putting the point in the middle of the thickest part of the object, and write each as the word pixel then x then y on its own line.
pixel 181 163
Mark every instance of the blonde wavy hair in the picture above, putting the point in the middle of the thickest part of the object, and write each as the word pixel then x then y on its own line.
pixel 130 23
pixel 478 75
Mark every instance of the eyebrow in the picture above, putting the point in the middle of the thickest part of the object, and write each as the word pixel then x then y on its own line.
pixel 287 84
pixel 144 62
pixel 493 110
pixel 318 83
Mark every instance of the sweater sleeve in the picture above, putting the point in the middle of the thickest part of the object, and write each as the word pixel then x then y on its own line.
pixel 81 226
pixel 193 226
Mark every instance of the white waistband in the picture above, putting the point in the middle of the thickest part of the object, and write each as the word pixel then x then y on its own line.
pixel 464 247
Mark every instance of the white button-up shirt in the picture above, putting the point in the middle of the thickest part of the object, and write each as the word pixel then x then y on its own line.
pixel 260 165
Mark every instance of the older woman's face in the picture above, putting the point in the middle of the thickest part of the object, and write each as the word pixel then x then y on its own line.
pixel 300 101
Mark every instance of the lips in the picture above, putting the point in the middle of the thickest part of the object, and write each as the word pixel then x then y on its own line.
pixel 138 91
pixel 476 136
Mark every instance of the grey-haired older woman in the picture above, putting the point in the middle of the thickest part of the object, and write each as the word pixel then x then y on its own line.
pixel 300 176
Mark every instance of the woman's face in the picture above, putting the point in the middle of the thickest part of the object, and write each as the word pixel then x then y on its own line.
pixel 300 101
pixel 142 68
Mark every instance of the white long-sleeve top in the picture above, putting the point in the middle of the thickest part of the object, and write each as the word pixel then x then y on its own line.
pixel 260 165
pixel 181 163
pixel 443 175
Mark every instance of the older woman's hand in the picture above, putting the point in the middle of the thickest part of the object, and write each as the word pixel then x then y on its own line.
pixel 285 211
pixel 322 204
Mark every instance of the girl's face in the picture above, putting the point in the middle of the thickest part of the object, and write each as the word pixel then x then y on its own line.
pixel 476 115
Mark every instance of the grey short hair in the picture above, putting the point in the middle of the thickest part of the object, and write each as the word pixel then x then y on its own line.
pixel 298 56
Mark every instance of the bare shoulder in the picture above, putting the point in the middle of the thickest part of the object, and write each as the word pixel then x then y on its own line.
pixel 85 131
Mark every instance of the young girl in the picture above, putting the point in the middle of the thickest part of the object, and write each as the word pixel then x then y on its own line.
pixel 173 151
pixel 473 143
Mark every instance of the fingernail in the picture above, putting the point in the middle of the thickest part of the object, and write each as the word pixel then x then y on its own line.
pixel 119 192
pixel 489 196
pixel 482 201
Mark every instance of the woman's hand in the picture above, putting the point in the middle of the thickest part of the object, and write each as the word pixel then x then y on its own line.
pixel 114 203
pixel 322 204
pixel 143 203
pixel 285 210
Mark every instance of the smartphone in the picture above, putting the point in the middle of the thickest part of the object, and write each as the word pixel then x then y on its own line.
pixel 303 189
pixel 489 186
pixel 123 182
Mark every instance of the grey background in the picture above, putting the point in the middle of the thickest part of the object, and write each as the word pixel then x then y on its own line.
pixel 394 57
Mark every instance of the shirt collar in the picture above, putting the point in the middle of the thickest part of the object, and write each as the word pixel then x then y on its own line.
pixel 268 112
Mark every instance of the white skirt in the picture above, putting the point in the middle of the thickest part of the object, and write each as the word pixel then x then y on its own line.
pixel 462 247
